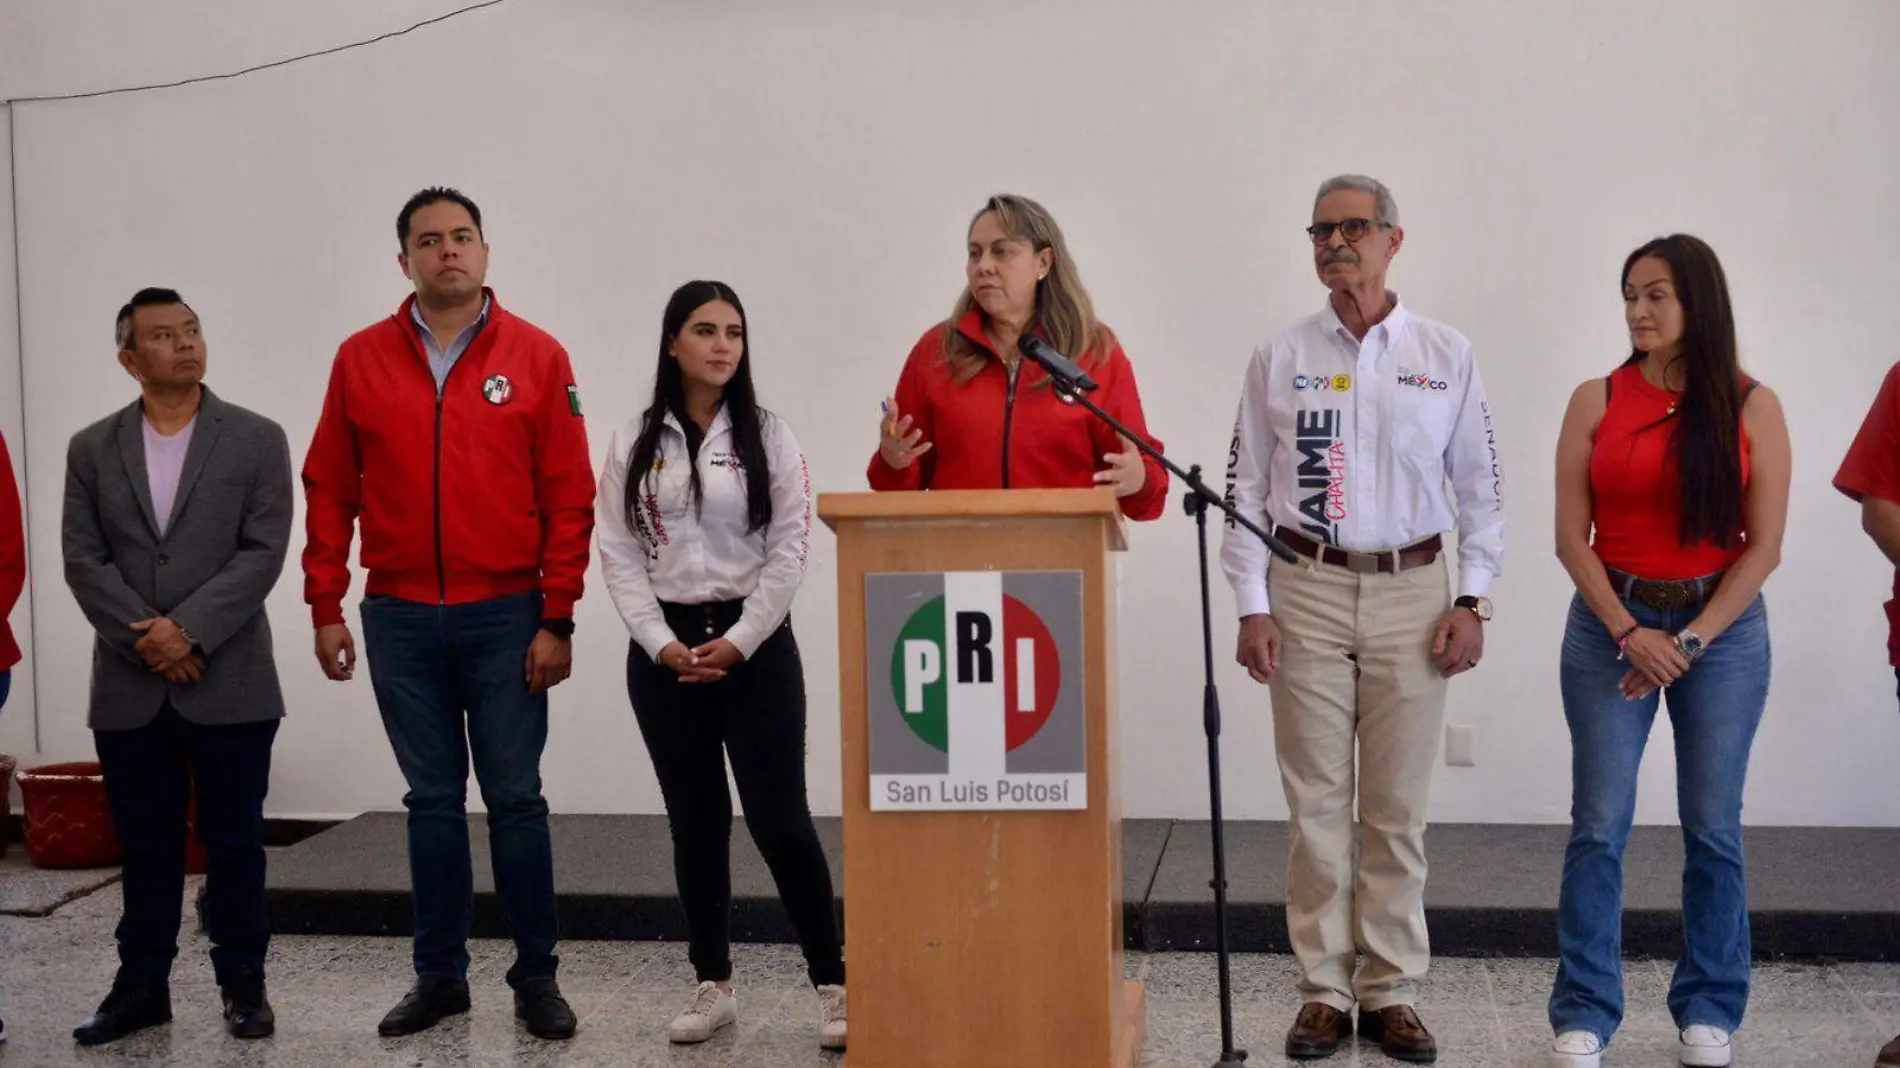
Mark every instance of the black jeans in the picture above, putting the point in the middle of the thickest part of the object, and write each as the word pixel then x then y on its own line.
pixel 150 773
pixel 755 716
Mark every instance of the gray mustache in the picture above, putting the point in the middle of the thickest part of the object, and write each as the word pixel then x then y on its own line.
pixel 1338 255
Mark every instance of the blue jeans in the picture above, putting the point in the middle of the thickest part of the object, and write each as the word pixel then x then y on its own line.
pixel 6 686
pixel 451 683
pixel 1714 710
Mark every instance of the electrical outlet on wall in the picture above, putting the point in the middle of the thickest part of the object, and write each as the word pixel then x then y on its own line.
pixel 1459 746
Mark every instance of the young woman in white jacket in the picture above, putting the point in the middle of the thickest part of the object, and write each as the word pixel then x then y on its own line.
pixel 704 519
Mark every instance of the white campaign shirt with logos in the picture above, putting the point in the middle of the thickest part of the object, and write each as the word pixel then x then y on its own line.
pixel 1352 444
pixel 674 555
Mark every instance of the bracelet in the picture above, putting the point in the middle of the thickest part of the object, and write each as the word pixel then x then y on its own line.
pixel 1622 643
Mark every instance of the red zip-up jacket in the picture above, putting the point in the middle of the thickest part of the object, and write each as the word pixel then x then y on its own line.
pixel 482 492
pixel 12 557
pixel 991 433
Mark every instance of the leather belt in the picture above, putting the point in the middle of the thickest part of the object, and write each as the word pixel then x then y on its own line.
pixel 1391 561
pixel 1664 595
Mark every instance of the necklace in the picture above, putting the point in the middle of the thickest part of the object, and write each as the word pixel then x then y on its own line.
pixel 1663 386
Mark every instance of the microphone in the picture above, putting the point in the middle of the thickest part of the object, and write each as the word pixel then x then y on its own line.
pixel 1060 367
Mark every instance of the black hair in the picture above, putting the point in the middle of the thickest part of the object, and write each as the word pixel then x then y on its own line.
pixel 669 395
pixel 149 297
pixel 435 194
pixel 1707 437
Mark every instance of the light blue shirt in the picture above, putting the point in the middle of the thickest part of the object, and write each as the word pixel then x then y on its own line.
pixel 442 362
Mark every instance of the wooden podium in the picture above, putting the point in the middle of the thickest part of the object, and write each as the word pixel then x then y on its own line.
pixel 984 939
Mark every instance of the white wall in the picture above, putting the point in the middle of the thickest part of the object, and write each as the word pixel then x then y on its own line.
pixel 17 735
pixel 824 157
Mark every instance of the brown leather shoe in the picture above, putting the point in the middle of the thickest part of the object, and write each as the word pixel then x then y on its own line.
pixel 1889 1055
pixel 1401 1035
pixel 1317 1032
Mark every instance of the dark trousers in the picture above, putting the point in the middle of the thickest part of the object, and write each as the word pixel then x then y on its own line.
pixel 451 682
pixel 755 716
pixel 150 774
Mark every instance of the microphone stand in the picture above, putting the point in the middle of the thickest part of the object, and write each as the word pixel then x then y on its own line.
pixel 1073 387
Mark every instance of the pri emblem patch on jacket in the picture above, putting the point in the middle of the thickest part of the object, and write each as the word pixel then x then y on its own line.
pixel 497 389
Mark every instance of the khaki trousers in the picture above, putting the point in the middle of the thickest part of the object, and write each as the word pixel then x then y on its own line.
pixel 1356 671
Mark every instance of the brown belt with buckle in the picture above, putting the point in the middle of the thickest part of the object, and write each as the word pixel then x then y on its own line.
pixel 1664 595
pixel 1383 563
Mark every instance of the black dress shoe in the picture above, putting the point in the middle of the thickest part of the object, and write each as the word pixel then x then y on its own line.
pixel 432 998
pixel 125 1010
pixel 247 1011
pixel 542 1010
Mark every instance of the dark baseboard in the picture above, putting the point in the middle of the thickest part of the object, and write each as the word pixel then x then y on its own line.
pixel 1813 892
pixel 288 832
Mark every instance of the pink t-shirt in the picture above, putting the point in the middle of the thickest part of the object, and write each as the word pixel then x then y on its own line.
pixel 164 465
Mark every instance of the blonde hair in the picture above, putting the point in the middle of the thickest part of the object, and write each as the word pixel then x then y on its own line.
pixel 1064 314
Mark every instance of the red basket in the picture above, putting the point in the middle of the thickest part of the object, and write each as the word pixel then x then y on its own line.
pixel 68 824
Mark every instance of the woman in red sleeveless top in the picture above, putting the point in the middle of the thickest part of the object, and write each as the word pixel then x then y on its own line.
pixel 1680 466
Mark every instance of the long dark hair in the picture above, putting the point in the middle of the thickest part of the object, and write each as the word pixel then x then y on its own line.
pixel 1707 437
pixel 669 395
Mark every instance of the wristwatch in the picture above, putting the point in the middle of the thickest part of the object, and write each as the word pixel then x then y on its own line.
pixel 1691 644
pixel 1479 606
pixel 560 628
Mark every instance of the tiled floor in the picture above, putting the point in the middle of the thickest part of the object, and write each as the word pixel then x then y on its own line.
pixel 329 993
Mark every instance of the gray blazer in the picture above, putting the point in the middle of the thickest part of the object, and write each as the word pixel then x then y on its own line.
pixel 221 554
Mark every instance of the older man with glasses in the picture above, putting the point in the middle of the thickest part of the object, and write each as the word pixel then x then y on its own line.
pixel 1351 424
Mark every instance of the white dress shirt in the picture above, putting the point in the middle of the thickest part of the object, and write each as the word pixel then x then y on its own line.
pixel 1352 443
pixel 681 557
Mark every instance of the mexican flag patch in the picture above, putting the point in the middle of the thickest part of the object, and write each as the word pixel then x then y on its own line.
pixel 573 399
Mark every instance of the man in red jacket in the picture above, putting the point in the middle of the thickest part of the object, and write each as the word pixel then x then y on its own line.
pixel 12 581
pixel 1871 475
pixel 452 430
pixel 12 571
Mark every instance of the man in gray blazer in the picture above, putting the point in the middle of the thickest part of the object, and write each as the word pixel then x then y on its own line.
pixel 177 520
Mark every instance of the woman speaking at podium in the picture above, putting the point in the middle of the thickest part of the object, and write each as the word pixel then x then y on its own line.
pixel 968 413
pixel 704 516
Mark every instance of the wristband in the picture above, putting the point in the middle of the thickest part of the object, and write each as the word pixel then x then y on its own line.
pixel 560 628
pixel 1622 643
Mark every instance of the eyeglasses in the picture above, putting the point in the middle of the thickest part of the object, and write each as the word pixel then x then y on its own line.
pixel 1353 230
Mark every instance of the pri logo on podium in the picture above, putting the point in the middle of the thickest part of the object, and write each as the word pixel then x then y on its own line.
pixel 974 686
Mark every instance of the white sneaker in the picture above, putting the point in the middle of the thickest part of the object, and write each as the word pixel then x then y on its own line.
pixel 831 1017
pixel 712 1009
pixel 1705 1047
pixel 1576 1049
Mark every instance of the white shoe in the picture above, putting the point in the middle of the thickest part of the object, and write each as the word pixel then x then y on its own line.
pixel 1705 1047
pixel 1576 1049
pixel 712 1009
pixel 831 1017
